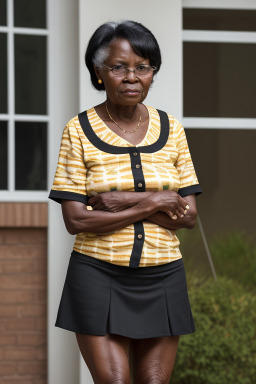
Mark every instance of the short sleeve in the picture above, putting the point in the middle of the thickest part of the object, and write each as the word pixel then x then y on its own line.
pixel 188 179
pixel 70 176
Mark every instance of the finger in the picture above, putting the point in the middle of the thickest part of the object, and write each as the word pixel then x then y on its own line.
pixel 183 203
pixel 172 215
pixel 169 213
pixel 96 206
pixel 91 201
pixel 180 213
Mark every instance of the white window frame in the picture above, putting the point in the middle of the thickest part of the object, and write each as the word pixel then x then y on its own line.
pixel 10 194
pixel 219 36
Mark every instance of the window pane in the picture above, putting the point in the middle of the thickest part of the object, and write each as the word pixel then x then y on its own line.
pixel 30 74
pixel 3 73
pixel 225 160
pixel 2 12
pixel 3 155
pixel 219 19
pixel 30 13
pixel 30 156
pixel 219 79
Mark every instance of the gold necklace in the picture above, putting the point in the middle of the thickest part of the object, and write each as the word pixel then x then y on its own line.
pixel 118 125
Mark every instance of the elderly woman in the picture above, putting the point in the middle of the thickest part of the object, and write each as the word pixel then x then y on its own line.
pixel 126 182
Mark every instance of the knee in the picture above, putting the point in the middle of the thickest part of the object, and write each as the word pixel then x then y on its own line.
pixel 154 375
pixel 155 379
pixel 115 378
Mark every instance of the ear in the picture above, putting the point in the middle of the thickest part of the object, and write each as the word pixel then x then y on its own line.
pixel 97 72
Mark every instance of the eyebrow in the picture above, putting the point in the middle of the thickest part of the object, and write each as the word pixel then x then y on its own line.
pixel 123 62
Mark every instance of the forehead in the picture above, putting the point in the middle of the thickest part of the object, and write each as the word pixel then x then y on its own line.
pixel 122 49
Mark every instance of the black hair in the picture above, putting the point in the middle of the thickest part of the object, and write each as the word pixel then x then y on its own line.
pixel 141 39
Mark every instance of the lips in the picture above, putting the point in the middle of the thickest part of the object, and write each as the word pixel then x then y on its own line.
pixel 131 91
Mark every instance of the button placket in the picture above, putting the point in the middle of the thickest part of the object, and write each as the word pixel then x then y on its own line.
pixel 139 181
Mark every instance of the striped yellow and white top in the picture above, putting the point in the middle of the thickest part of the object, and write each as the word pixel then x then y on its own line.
pixel 94 159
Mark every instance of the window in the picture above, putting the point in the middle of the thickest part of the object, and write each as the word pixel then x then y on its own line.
pixel 23 100
pixel 219 60
pixel 219 79
pixel 219 19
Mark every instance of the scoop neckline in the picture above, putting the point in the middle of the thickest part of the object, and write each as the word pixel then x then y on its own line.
pixel 87 119
pixel 121 138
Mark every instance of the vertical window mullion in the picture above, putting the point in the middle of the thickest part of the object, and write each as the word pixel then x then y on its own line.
pixel 11 97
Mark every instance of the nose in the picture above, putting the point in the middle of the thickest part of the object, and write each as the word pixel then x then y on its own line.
pixel 131 76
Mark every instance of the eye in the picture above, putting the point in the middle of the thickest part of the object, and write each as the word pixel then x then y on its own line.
pixel 142 67
pixel 119 67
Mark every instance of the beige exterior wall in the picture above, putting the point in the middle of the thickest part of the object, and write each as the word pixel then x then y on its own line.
pixel 63 354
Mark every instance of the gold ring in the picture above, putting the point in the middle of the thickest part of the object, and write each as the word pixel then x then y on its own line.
pixel 187 206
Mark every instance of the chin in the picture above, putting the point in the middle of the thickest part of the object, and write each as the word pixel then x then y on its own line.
pixel 132 100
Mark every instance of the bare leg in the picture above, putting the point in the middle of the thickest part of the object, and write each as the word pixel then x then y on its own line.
pixel 107 357
pixel 153 359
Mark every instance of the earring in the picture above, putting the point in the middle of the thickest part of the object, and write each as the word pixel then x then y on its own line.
pixel 100 81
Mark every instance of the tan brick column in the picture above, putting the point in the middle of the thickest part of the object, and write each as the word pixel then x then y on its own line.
pixel 23 288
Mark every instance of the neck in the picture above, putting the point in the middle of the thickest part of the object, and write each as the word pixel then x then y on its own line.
pixel 123 112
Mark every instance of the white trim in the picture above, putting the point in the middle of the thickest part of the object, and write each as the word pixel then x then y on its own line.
pixel 11 194
pixel 219 4
pixel 11 162
pixel 32 118
pixel 24 196
pixel 219 36
pixel 219 123
pixel 10 107
pixel 24 31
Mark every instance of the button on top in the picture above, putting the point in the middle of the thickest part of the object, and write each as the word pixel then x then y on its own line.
pixel 139 185
pixel 140 236
pixel 135 153
pixel 137 165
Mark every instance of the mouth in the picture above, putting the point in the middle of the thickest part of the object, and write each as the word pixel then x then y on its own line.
pixel 131 92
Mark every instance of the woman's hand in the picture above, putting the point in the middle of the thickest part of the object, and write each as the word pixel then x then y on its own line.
pixel 113 201
pixel 171 203
pixel 188 221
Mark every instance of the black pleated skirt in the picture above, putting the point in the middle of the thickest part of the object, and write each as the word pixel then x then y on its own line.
pixel 101 298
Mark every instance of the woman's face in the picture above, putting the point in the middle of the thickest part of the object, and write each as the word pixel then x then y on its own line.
pixel 129 89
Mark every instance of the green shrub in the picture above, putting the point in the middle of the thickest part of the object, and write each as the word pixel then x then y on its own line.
pixel 223 348
pixel 234 256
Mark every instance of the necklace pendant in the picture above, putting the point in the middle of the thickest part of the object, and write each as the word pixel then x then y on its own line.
pixel 118 125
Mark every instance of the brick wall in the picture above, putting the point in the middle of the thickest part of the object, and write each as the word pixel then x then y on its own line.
pixel 23 288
